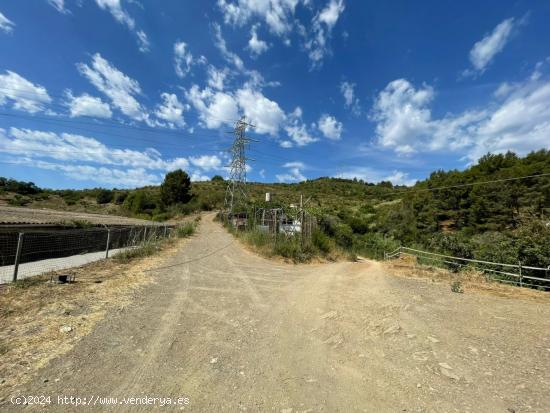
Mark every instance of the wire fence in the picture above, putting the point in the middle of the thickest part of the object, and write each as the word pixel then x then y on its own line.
pixel 28 253
pixel 517 274
pixel 279 222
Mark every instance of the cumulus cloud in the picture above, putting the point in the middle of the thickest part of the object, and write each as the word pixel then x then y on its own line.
pixel 516 121
pixel 171 110
pixel 59 5
pixel 23 94
pixel 293 174
pixel 330 127
pixel 322 25
pixel 85 158
pixel 297 130
pixel 207 162
pixel 6 25
pixel 255 45
pixel 216 77
pixel 215 108
pixel 484 51
pixel 264 113
pixel 120 88
pixel 86 105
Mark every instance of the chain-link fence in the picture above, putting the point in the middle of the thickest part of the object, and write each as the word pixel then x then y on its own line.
pixel 28 253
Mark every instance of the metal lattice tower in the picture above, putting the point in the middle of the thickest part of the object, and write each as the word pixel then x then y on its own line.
pixel 236 194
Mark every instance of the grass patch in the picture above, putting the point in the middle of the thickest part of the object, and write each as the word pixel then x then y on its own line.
pixel 26 282
pixel 186 229
pixel 145 249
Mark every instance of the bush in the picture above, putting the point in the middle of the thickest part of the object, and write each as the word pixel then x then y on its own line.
pixel 145 249
pixel 104 196
pixel 322 242
pixel 139 202
pixel 344 236
pixel 120 197
pixel 186 230
pixel 19 200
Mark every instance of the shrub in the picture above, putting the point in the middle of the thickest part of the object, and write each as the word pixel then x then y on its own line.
pixel 344 236
pixel 19 200
pixel 120 197
pixel 104 196
pixel 186 230
pixel 139 202
pixel 321 241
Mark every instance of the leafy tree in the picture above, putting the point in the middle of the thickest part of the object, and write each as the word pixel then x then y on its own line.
pixel 175 188
pixel 217 178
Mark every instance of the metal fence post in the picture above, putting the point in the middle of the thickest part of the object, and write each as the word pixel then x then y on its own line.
pixel 165 229
pixel 17 256
pixel 145 234
pixel 520 276
pixel 108 241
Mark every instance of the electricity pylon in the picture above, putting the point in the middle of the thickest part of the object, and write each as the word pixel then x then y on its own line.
pixel 236 194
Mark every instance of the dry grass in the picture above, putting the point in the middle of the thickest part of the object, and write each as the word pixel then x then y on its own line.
pixel 32 312
pixel 471 281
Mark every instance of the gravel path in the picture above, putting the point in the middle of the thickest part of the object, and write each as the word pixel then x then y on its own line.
pixel 234 332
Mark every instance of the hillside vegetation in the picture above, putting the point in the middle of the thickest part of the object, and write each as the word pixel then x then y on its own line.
pixel 455 212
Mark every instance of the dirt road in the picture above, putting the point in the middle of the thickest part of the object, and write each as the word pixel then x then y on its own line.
pixel 235 332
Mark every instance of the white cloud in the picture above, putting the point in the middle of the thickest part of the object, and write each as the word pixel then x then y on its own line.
pixel 23 94
pixel 143 41
pixel 183 59
pixel 277 14
pixel 486 49
pixel 216 78
pixel 86 105
pixel 348 92
pixel 265 114
pixel 214 108
pixel 207 162
pixel 123 17
pixel 59 5
pixel 517 121
pixel 229 56
pixel 84 158
pixel 6 24
pixel 171 110
pixel 115 8
pixel 373 175
pixel 255 45
pixel 322 25
pixel 293 174
pixel 330 127
pixel 121 89
pixel 297 130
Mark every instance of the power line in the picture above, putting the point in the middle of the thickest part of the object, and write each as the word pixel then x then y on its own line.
pixel 470 184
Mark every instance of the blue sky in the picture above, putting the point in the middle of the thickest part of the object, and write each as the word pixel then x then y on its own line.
pixel 115 93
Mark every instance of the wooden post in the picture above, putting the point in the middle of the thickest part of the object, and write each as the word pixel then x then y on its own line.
pixel 145 234
pixel 17 256
pixel 520 276
pixel 108 241
pixel 165 230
